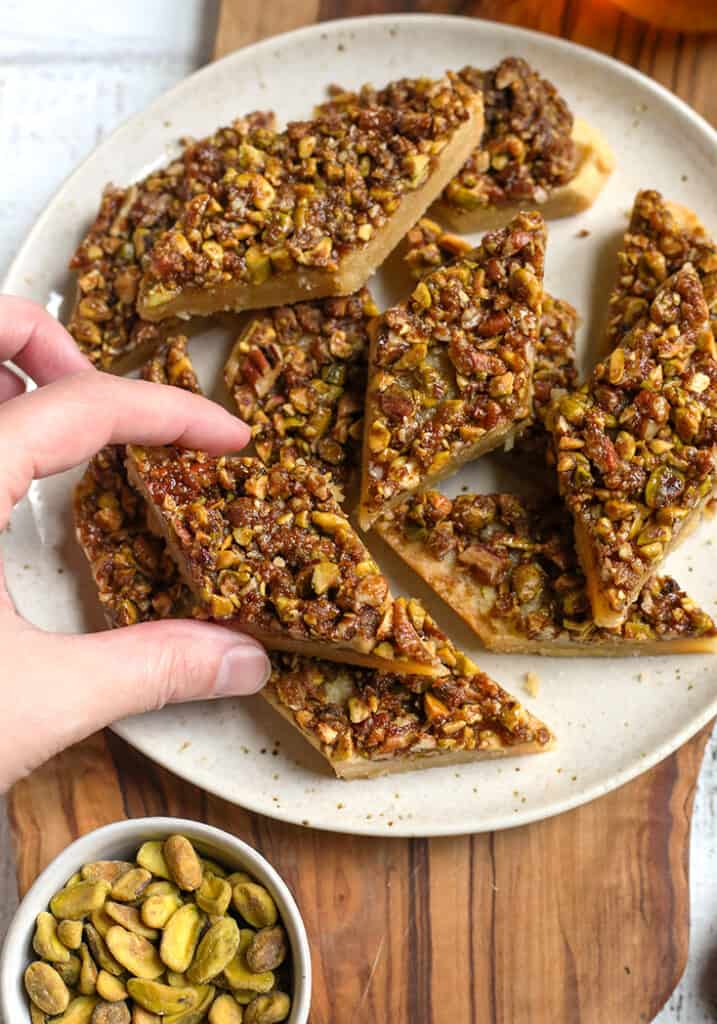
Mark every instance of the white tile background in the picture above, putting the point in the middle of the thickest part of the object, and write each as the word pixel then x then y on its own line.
pixel 69 73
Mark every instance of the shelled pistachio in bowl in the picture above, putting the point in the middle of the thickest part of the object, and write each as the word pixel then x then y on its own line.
pixel 171 936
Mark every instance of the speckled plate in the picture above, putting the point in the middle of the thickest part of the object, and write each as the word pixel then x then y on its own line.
pixel 614 718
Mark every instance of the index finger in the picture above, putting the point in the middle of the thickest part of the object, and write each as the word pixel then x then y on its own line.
pixel 36 342
pixel 49 430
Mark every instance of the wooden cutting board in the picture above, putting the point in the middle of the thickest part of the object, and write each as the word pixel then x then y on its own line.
pixel 582 918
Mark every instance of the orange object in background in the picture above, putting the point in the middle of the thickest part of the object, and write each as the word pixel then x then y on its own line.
pixel 679 15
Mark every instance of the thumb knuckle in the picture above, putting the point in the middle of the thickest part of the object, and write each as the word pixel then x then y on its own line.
pixel 180 671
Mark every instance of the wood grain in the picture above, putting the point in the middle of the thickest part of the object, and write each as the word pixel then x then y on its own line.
pixel 243 23
pixel 578 918
pixel 582 918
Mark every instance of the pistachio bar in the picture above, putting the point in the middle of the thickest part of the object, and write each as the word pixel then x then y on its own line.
pixel 297 375
pixel 450 370
pixel 109 259
pixel 367 724
pixel 269 551
pixel 135 577
pixel 532 153
pixel 429 246
pixel 662 236
pixel 313 210
pixel 635 447
pixel 363 723
pixel 509 568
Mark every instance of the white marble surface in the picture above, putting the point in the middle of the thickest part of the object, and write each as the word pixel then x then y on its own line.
pixel 69 73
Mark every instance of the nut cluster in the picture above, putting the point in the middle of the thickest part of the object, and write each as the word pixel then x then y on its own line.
pixel 270 549
pixel 298 377
pixel 451 368
pixel 111 257
pixel 527 147
pixel 170 364
pixel 353 712
pixel 171 936
pixel 520 561
pixel 635 446
pixel 554 369
pixel 136 578
pixel 310 195
pixel 429 246
pixel 659 241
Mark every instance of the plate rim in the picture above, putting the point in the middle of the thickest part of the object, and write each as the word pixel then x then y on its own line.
pixel 195 775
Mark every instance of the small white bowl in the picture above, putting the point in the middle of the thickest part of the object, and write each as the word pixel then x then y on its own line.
pixel 121 841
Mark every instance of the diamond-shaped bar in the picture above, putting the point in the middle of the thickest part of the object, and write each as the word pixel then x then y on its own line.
pixel 312 211
pixel 429 246
pixel 635 446
pixel 450 369
pixel 662 236
pixel 269 551
pixel 109 259
pixel 533 153
pixel 364 723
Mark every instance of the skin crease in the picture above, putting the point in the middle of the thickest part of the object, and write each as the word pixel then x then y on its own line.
pixel 56 689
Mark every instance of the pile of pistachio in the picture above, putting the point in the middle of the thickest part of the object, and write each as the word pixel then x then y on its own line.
pixel 171 939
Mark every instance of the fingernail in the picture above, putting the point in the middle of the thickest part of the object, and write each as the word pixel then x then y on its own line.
pixel 244 669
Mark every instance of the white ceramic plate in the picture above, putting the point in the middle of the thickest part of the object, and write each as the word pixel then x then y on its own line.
pixel 615 718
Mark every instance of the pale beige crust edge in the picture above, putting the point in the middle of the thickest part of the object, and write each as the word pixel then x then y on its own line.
pixel 353 272
pixel 343 655
pixel 364 768
pixel 461 594
pixel 596 164
pixel 686 218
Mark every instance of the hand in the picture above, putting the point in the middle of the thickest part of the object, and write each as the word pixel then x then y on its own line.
pixel 58 689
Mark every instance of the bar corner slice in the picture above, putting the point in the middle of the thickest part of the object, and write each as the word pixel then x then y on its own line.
pixel 635 447
pixel 509 568
pixel 450 369
pixel 533 152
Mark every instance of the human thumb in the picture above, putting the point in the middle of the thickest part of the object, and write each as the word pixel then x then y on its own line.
pixel 69 686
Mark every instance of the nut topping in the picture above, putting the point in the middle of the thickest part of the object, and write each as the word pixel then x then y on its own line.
pixel 171 364
pixel 380 717
pixel 635 447
pixel 430 247
pixel 661 238
pixel 136 579
pixel 298 377
pixel 510 569
pixel 527 148
pixel 110 258
pixel 356 715
pixel 269 550
pixel 450 369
